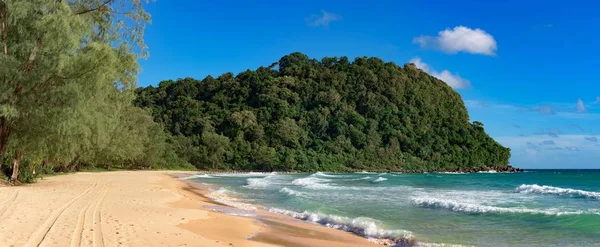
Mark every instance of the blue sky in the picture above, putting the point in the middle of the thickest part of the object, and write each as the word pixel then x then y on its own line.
pixel 527 69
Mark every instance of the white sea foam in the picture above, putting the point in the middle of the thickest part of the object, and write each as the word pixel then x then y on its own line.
pixel 327 175
pixel 355 179
pixel 312 182
pixel 458 206
pixel 454 173
pixel 221 196
pixel 365 172
pixel 249 174
pixel 291 192
pixel 257 183
pixel 362 226
pixel 261 183
pixel 379 180
pixel 490 171
pixel 544 189
pixel 196 176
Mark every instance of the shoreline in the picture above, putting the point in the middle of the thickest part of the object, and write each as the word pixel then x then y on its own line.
pixel 263 213
pixel 144 208
pixel 278 228
pixel 274 217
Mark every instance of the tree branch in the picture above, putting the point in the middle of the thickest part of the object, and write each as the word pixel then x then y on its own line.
pixel 32 56
pixel 94 9
pixel 4 26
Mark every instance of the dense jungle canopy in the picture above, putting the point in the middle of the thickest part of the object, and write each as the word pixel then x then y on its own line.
pixel 302 114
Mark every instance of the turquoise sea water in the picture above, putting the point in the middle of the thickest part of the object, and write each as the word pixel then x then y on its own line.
pixel 534 208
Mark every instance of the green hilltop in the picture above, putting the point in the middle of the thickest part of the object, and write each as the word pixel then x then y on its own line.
pixel 302 114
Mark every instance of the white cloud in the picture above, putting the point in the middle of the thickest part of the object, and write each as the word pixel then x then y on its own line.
pixel 453 80
pixel 323 19
pixel 461 38
pixel 580 106
pixel 598 100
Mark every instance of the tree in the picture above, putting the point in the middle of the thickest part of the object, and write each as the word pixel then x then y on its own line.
pixel 61 61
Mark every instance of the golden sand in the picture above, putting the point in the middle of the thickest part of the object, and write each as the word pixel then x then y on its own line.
pixel 142 208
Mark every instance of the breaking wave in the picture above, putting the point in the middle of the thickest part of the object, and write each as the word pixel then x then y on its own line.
pixel 379 180
pixel 476 208
pixel 260 183
pixel 544 189
pixel 196 176
pixel 312 182
pixel 291 192
pixel 327 175
pixel 362 226
pixel 221 196
pixel 249 174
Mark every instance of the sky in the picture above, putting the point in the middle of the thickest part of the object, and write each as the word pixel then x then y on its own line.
pixel 529 70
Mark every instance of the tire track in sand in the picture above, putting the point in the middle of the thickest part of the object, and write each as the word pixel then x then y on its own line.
pixel 78 231
pixel 40 234
pixel 97 220
pixel 7 204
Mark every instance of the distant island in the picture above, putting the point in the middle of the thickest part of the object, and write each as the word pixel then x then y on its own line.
pixel 303 114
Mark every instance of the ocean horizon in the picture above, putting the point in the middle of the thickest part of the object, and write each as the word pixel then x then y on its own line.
pixel 537 207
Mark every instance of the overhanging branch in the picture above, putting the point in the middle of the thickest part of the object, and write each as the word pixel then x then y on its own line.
pixel 100 7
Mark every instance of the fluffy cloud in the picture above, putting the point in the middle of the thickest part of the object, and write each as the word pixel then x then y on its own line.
pixel 453 80
pixel 580 106
pixel 323 19
pixel 460 39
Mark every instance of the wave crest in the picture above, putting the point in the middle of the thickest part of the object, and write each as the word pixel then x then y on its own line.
pixel 476 208
pixel 362 226
pixel 326 175
pixel 544 189
pixel 379 180
pixel 312 182
pixel 291 192
pixel 196 176
pixel 221 196
pixel 260 183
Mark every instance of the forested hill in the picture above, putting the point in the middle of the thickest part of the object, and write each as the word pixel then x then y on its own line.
pixel 302 114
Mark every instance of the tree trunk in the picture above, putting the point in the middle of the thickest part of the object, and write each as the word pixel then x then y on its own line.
pixel 72 166
pixel 4 133
pixel 16 165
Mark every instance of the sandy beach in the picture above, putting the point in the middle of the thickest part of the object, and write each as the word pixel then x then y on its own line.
pixel 143 208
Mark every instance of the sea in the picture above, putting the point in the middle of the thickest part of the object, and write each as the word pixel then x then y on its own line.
pixel 532 208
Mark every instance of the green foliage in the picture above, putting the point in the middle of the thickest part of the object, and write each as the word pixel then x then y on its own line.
pixel 67 80
pixel 333 114
pixel 26 174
